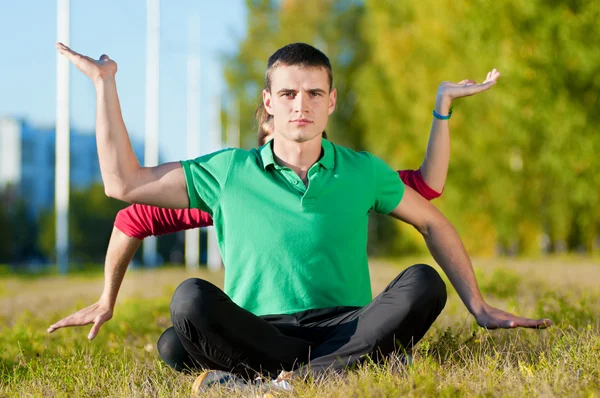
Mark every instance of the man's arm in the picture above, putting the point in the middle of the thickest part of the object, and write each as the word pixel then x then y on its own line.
pixel 434 168
pixel 449 252
pixel 121 249
pixel 123 177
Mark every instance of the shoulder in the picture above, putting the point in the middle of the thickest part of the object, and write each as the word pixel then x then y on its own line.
pixel 229 158
pixel 226 155
pixel 348 157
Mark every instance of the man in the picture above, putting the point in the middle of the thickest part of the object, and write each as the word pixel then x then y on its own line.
pixel 291 223
pixel 136 222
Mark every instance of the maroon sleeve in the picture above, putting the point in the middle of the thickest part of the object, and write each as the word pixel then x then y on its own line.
pixel 141 221
pixel 414 179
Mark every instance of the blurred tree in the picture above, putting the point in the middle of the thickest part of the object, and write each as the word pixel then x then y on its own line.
pixel 91 219
pixel 5 237
pixel 17 229
pixel 91 222
pixel 523 159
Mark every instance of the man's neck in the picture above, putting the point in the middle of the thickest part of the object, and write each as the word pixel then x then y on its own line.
pixel 298 156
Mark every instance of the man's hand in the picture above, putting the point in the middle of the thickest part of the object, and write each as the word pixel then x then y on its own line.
pixel 493 318
pixel 94 69
pixel 97 314
pixel 465 88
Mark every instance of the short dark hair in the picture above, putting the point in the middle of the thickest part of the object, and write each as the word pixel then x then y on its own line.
pixel 298 54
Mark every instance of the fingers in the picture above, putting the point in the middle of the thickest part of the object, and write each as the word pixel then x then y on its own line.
pixel 519 322
pixel 76 319
pixel 495 318
pixel 66 323
pixel 486 85
pixel 492 76
pixel 534 323
pixel 61 47
pixel 60 324
pixel 66 51
pixel 95 329
pixel 476 88
pixel 546 323
pixel 73 55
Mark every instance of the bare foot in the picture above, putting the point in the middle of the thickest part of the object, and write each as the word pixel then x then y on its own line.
pixel 96 70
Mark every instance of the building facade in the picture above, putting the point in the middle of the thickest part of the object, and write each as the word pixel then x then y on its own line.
pixel 27 161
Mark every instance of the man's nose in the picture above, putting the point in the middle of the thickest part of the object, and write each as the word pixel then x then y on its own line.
pixel 301 103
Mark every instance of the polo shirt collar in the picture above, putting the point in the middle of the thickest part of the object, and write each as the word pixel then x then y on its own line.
pixel 326 160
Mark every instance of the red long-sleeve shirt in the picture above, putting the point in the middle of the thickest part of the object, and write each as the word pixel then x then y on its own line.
pixel 141 221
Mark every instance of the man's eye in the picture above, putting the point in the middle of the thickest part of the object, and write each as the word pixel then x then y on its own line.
pixel 288 94
pixel 315 94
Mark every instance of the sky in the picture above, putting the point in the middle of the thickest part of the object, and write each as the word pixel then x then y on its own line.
pixel 116 28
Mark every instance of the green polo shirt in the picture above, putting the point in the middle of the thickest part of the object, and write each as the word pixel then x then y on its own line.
pixel 287 247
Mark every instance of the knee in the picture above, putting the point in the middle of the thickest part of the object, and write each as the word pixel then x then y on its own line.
pixel 171 350
pixel 434 288
pixel 193 297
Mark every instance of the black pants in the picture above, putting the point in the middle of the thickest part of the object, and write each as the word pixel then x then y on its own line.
pixel 211 331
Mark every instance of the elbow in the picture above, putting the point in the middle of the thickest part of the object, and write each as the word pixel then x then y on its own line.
pixel 117 191
pixel 430 223
pixel 433 224
pixel 424 229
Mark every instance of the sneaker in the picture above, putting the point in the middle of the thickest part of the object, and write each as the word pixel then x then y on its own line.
pixel 282 382
pixel 211 378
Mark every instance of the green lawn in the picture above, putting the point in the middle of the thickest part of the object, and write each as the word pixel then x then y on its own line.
pixel 456 358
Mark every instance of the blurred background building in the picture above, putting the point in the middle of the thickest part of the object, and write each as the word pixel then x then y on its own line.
pixel 28 161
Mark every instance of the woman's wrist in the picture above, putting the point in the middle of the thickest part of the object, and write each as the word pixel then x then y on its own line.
pixel 442 105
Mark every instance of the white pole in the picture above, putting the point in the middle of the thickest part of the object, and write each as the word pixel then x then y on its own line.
pixel 152 75
pixel 213 255
pixel 192 236
pixel 61 187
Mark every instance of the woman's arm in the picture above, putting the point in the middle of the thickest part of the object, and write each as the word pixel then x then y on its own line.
pixel 121 249
pixel 141 221
pixel 435 164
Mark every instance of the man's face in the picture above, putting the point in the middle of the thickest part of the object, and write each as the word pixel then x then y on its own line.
pixel 300 101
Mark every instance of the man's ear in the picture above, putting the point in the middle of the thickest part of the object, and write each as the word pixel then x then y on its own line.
pixel 267 101
pixel 332 99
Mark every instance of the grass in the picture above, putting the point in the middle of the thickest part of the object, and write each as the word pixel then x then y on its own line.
pixel 456 358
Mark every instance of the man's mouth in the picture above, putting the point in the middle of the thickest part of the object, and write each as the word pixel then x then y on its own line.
pixel 301 122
